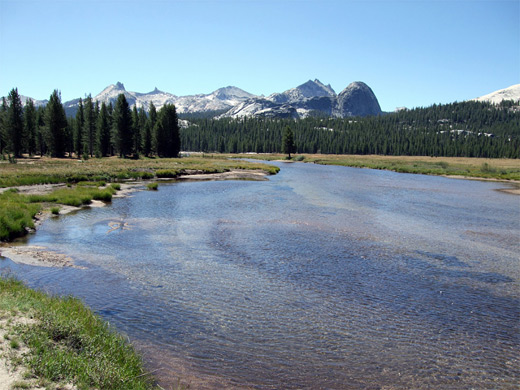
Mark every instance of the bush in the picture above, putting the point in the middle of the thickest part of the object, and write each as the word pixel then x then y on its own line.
pixel 55 210
pixel 152 186
pixel 167 173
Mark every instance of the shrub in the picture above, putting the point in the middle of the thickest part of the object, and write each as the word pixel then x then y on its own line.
pixel 167 173
pixel 55 210
pixel 152 186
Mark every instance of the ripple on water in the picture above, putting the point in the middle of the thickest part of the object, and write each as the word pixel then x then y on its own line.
pixel 323 277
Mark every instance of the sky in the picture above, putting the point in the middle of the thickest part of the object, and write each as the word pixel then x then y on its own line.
pixel 411 53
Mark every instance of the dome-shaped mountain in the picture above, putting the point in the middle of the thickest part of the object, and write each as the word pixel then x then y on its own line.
pixel 357 100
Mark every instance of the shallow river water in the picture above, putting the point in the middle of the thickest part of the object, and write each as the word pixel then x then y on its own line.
pixel 322 277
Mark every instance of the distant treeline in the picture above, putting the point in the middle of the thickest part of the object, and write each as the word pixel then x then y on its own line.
pixel 468 129
pixel 96 130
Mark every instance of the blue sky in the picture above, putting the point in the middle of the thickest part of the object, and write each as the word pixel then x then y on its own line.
pixel 411 53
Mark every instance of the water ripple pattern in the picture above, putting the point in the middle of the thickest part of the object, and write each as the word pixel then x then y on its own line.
pixel 321 278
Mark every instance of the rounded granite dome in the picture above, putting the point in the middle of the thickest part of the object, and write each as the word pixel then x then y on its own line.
pixel 358 100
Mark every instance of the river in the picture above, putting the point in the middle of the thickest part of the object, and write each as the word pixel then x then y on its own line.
pixel 322 277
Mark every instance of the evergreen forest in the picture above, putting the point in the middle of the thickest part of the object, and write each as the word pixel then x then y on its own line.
pixel 467 129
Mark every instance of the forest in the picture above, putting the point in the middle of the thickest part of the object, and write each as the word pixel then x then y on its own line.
pixel 95 131
pixel 466 129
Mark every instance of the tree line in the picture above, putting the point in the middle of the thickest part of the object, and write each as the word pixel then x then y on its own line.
pixel 466 129
pixel 96 130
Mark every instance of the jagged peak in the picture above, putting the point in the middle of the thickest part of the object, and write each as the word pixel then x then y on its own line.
pixel 120 85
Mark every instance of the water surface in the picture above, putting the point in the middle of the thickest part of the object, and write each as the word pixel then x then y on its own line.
pixel 322 277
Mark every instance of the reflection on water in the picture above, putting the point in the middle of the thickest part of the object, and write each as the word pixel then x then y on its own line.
pixel 323 277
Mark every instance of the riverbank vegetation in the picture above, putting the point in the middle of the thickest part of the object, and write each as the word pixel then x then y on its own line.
pixel 63 342
pixel 485 168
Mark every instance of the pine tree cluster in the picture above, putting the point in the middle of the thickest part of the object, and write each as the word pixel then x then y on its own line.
pixel 95 130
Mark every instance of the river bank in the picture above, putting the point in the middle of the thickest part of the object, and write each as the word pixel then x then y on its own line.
pixel 58 343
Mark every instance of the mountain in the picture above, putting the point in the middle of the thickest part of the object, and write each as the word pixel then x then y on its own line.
pixel 221 99
pixel 312 98
pixel 510 93
pixel 308 90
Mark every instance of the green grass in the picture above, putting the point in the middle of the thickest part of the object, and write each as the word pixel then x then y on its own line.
pixel 55 210
pixel 486 168
pixel 68 343
pixel 16 215
pixel 152 186
pixel 53 171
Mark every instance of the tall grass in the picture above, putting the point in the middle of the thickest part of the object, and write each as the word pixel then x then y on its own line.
pixel 16 215
pixel 69 343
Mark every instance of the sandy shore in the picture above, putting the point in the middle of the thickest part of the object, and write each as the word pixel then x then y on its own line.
pixel 36 255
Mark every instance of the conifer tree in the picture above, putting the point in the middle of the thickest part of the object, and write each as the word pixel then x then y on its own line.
pixel 167 130
pixel 14 123
pixel 122 123
pixel 152 120
pixel 89 127
pixel 146 136
pixel 3 127
pixel 78 134
pixel 103 131
pixel 40 131
pixel 56 123
pixel 30 127
pixel 136 132
pixel 288 145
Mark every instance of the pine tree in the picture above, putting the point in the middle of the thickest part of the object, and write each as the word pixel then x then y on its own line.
pixel 14 123
pixel 136 132
pixel 167 130
pixel 89 127
pixel 40 131
pixel 103 131
pixel 30 127
pixel 122 123
pixel 152 120
pixel 288 145
pixel 56 123
pixel 78 134
pixel 146 138
pixel 3 125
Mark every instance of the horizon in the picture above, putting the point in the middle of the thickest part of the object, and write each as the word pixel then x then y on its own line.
pixel 411 54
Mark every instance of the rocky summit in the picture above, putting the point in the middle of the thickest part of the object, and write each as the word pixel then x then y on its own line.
pixel 311 99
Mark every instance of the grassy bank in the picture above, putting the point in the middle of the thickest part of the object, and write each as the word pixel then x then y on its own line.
pixel 17 211
pixel 486 168
pixel 52 171
pixel 64 342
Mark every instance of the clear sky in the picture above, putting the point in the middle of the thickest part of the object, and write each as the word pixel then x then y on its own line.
pixel 411 53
